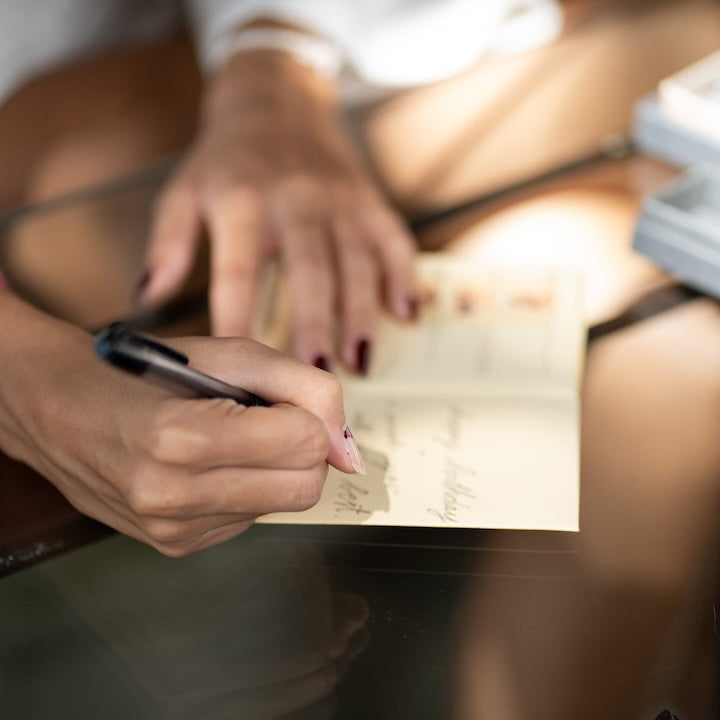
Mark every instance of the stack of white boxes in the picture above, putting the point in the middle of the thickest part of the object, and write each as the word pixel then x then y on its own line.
pixel 679 226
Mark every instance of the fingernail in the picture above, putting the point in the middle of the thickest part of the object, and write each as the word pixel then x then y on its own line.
pixel 666 715
pixel 352 451
pixel 141 286
pixel 413 308
pixel 464 303
pixel 322 363
pixel 362 357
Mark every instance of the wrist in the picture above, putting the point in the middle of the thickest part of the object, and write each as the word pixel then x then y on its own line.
pixel 313 52
pixel 269 63
pixel 37 365
pixel 266 80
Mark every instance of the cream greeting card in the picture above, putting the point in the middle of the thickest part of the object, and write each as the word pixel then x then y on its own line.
pixel 469 417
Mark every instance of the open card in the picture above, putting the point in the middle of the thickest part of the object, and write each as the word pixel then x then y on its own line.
pixel 469 417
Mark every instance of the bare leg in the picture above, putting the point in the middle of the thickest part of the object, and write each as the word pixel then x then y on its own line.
pixel 72 130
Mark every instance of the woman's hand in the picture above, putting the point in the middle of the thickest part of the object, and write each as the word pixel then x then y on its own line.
pixel 272 170
pixel 179 474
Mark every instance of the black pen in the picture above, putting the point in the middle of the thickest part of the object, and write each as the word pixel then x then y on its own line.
pixel 139 354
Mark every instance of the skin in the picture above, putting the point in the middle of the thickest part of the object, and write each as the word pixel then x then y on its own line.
pixel 272 171
pixel 178 474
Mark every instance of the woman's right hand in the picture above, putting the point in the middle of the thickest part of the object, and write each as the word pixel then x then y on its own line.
pixel 178 474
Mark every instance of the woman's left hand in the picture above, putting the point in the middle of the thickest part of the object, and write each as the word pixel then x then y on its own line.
pixel 272 170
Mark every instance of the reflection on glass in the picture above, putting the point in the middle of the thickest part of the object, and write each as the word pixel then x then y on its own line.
pixel 246 630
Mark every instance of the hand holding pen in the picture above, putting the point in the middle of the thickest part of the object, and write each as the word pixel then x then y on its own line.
pixel 178 473
pixel 217 461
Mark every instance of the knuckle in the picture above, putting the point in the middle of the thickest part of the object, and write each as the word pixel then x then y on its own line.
pixel 312 444
pixel 169 443
pixel 237 271
pixel 301 199
pixel 385 224
pixel 330 387
pixel 303 188
pixel 329 391
pixel 167 198
pixel 402 245
pixel 348 191
pixel 173 551
pixel 313 325
pixel 152 499
pixel 359 312
pixel 357 255
pixel 143 499
pixel 170 534
pixel 175 193
pixel 307 490
pixel 243 196
pixel 311 260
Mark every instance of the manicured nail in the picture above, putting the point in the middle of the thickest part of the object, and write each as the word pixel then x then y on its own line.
pixel 464 303
pixel 413 308
pixel 352 451
pixel 141 286
pixel 322 363
pixel 362 357
pixel 666 715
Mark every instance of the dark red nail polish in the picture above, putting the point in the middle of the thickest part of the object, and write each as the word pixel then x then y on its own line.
pixel 141 286
pixel 413 308
pixel 362 357
pixel 464 303
pixel 322 363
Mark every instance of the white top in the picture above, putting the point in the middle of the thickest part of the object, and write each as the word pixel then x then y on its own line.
pixel 384 43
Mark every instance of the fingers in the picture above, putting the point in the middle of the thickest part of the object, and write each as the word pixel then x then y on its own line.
pixel 251 460
pixel 182 474
pixel 396 249
pixel 300 219
pixel 339 248
pixel 359 293
pixel 219 433
pixel 237 224
pixel 343 249
pixel 197 437
pixel 178 538
pixel 169 501
pixel 375 256
pixel 280 378
pixel 273 485
pixel 202 471
pixel 173 238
